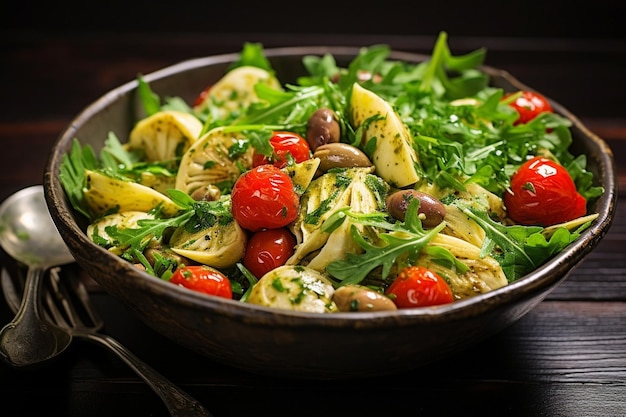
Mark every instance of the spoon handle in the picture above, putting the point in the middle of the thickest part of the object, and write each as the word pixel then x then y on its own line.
pixel 27 339
pixel 178 402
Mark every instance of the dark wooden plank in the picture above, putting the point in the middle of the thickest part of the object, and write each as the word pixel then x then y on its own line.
pixel 561 359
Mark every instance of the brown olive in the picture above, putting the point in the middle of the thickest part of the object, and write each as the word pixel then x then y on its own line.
pixel 360 298
pixel 322 128
pixel 431 211
pixel 340 155
pixel 207 193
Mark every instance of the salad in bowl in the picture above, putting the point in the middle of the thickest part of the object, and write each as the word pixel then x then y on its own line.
pixel 380 185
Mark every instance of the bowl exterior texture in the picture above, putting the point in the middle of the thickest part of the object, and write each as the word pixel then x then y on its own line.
pixel 299 345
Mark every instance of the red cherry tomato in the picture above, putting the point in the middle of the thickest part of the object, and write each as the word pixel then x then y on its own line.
pixel 203 279
pixel 417 286
pixel 542 193
pixel 264 198
pixel 202 96
pixel 268 249
pixel 284 143
pixel 529 105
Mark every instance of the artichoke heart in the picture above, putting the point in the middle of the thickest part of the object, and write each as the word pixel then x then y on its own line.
pixel 356 188
pixel 302 173
pixel 208 161
pixel 294 288
pixel 165 135
pixel 393 156
pixel 458 223
pixel 96 231
pixel 485 273
pixel 218 245
pixel 104 195
pixel 235 90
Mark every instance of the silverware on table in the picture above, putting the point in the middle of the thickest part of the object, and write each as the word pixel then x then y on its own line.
pixel 28 234
pixel 66 305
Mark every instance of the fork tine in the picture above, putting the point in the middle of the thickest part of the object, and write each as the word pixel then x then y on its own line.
pixel 71 295
pixel 10 289
pixel 80 292
pixel 60 309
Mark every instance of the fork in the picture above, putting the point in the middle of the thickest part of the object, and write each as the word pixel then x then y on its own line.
pixel 67 305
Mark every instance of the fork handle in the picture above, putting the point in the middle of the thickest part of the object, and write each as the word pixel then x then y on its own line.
pixel 177 401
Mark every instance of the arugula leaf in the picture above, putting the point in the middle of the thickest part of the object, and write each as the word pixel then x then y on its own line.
pixel 177 104
pixel 131 240
pixel 468 82
pixel 319 69
pixel 113 154
pixel 354 268
pixel 403 240
pixel 283 105
pixel 520 249
pixel 510 239
pixel 249 276
pixel 72 174
pixel 151 101
pixel 583 178
pixel 252 54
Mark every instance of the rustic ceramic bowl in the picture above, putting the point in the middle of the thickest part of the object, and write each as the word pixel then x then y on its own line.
pixel 294 344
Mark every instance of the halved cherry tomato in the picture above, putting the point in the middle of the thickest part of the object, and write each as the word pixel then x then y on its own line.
pixel 286 145
pixel 542 193
pixel 203 279
pixel 268 249
pixel 529 105
pixel 264 198
pixel 417 286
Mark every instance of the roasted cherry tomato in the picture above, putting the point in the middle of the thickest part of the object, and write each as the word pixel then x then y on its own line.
pixel 287 145
pixel 202 96
pixel 417 286
pixel 542 193
pixel 264 198
pixel 268 249
pixel 204 279
pixel 529 105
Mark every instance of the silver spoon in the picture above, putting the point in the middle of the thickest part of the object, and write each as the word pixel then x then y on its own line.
pixel 28 234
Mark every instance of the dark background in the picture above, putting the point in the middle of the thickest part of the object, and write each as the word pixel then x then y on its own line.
pixel 55 58
pixel 50 38
pixel 531 18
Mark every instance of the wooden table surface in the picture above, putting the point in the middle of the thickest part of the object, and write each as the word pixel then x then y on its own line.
pixel 567 357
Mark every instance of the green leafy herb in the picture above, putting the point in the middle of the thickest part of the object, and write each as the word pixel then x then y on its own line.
pixel 72 174
pixel 520 249
pixel 401 240
pixel 252 54
pixel 151 101
pixel 463 132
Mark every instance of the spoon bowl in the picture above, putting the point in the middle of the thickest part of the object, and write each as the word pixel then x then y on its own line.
pixel 28 234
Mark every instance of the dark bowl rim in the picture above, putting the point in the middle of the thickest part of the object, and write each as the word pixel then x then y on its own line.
pixel 545 276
